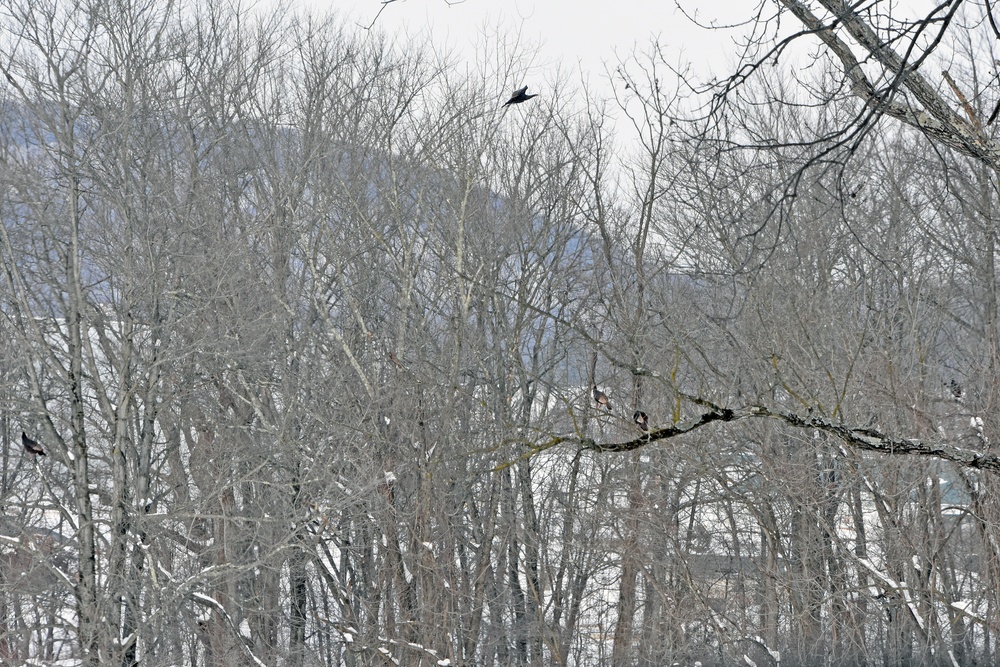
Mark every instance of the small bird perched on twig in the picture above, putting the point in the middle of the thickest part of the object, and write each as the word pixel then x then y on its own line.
pixel 520 96
pixel 641 419
pixel 956 388
pixel 30 445
pixel 601 398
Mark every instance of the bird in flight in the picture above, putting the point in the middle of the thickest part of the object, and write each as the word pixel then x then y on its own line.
pixel 520 95
pixel 641 419
pixel 601 398
pixel 30 445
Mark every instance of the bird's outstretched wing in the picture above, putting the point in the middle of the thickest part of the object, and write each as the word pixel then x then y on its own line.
pixel 519 96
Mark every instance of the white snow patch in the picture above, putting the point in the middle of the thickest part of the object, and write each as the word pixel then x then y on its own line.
pixel 962 605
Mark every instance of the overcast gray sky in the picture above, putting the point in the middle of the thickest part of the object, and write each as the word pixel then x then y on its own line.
pixel 587 33
pixel 582 38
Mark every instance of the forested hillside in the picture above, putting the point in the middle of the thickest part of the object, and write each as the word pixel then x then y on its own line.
pixel 324 356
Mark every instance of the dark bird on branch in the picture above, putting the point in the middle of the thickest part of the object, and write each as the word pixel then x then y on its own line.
pixel 641 419
pixel 956 388
pixel 30 445
pixel 520 96
pixel 601 398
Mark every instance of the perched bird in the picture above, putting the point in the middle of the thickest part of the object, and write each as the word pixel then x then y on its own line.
pixel 601 398
pixel 520 95
pixel 30 445
pixel 641 419
pixel 956 388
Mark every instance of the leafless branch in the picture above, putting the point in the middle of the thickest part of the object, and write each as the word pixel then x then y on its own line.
pixel 865 439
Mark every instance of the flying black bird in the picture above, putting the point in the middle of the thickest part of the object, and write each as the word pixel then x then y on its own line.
pixel 601 398
pixel 641 419
pixel 30 445
pixel 520 95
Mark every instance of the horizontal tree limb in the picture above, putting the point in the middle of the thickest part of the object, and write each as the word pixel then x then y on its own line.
pixel 860 438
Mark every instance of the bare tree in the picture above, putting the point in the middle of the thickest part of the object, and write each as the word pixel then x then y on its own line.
pixel 301 319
